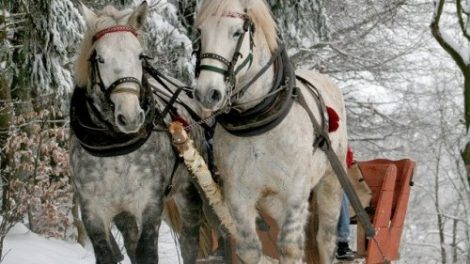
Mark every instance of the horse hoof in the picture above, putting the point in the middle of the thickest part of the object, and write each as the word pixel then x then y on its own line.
pixel 268 260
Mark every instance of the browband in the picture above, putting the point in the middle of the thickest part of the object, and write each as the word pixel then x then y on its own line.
pixel 235 15
pixel 113 29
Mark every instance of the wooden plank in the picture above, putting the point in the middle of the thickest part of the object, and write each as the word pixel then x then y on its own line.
pixel 382 177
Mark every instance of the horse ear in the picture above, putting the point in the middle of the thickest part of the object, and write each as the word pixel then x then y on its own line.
pixel 138 16
pixel 87 13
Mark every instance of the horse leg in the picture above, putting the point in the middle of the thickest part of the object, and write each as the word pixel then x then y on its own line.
pixel 249 249
pixel 104 245
pixel 328 194
pixel 190 208
pixel 292 234
pixel 127 225
pixel 147 247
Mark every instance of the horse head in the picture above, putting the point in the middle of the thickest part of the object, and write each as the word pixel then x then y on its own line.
pixel 109 66
pixel 236 38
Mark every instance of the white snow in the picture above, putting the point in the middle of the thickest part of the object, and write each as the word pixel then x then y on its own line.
pixel 466 7
pixel 25 247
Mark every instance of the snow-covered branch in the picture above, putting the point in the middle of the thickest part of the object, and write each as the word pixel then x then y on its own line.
pixel 460 56
pixel 462 16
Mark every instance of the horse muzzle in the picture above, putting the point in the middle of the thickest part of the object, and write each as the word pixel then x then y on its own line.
pixel 210 99
pixel 128 114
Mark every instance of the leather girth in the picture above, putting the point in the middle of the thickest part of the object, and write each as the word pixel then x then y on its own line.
pixel 106 141
pixel 271 111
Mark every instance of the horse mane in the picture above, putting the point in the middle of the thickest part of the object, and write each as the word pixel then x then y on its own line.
pixel 259 12
pixel 107 17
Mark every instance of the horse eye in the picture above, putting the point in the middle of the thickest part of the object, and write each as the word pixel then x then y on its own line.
pixel 238 33
pixel 99 59
pixel 142 56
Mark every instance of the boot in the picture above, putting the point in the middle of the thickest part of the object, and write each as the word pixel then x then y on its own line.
pixel 343 252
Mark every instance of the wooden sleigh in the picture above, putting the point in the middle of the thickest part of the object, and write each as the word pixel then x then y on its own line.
pixel 390 183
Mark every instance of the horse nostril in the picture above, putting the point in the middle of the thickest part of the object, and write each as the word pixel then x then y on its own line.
pixel 197 94
pixel 215 95
pixel 141 117
pixel 121 120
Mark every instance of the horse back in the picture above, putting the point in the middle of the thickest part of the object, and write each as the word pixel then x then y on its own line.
pixel 330 92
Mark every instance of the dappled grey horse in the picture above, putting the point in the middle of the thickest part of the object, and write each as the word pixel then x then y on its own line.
pixel 124 169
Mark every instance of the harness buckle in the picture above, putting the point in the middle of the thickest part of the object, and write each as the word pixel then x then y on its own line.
pixel 322 142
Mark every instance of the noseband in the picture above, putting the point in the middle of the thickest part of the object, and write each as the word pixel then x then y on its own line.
pixel 231 72
pixel 95 59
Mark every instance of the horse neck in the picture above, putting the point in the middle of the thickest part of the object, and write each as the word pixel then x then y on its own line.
pixel 260 88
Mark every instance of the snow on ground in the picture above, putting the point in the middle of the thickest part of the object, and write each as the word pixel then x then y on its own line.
pixel 25 247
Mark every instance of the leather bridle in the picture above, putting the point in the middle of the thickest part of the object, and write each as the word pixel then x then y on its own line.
pixel 230 71
pixel 95 75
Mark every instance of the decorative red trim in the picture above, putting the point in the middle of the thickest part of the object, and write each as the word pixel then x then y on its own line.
pixel 235 15
pixel 349 157
pixel 333 119
pixel 113 29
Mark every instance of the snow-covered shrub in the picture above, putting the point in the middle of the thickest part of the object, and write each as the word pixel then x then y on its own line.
pixel 167 42
pixel 38 174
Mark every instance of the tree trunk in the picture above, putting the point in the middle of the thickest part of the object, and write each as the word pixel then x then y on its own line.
pixel 466 150
pixel 437 207
pixel 6 111
pixel 466 160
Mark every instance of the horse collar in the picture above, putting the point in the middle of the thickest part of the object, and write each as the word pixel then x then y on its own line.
pixel 269 112
pixel 106 141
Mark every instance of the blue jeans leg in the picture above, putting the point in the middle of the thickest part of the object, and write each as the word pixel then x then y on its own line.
pixel 343 222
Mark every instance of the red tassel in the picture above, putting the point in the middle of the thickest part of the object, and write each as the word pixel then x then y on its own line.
pixel 349 157
pixel 333 119
pixel 178 118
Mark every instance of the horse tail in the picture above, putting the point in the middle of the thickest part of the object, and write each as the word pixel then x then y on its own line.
pixel 312 255
pixel 173 216
pixel 205 232
pixel 205 239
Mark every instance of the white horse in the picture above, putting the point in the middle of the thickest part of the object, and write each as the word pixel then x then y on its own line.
pixel 273 169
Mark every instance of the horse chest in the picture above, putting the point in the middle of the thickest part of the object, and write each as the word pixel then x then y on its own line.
pixel 116 182
pixel 278 155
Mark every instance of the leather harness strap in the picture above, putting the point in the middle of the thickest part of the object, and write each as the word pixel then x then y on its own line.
pixel 271 110
pixel 322 141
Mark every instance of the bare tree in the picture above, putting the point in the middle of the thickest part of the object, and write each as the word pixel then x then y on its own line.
pixel 458 50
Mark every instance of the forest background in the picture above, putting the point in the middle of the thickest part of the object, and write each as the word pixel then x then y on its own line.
pixel 404 95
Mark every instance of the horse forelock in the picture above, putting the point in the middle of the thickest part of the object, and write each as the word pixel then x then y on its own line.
pixel 258 10
pixel 107 17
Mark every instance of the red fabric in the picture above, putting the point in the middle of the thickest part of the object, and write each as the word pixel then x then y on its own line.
pixel 349 157
pixel 333 119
